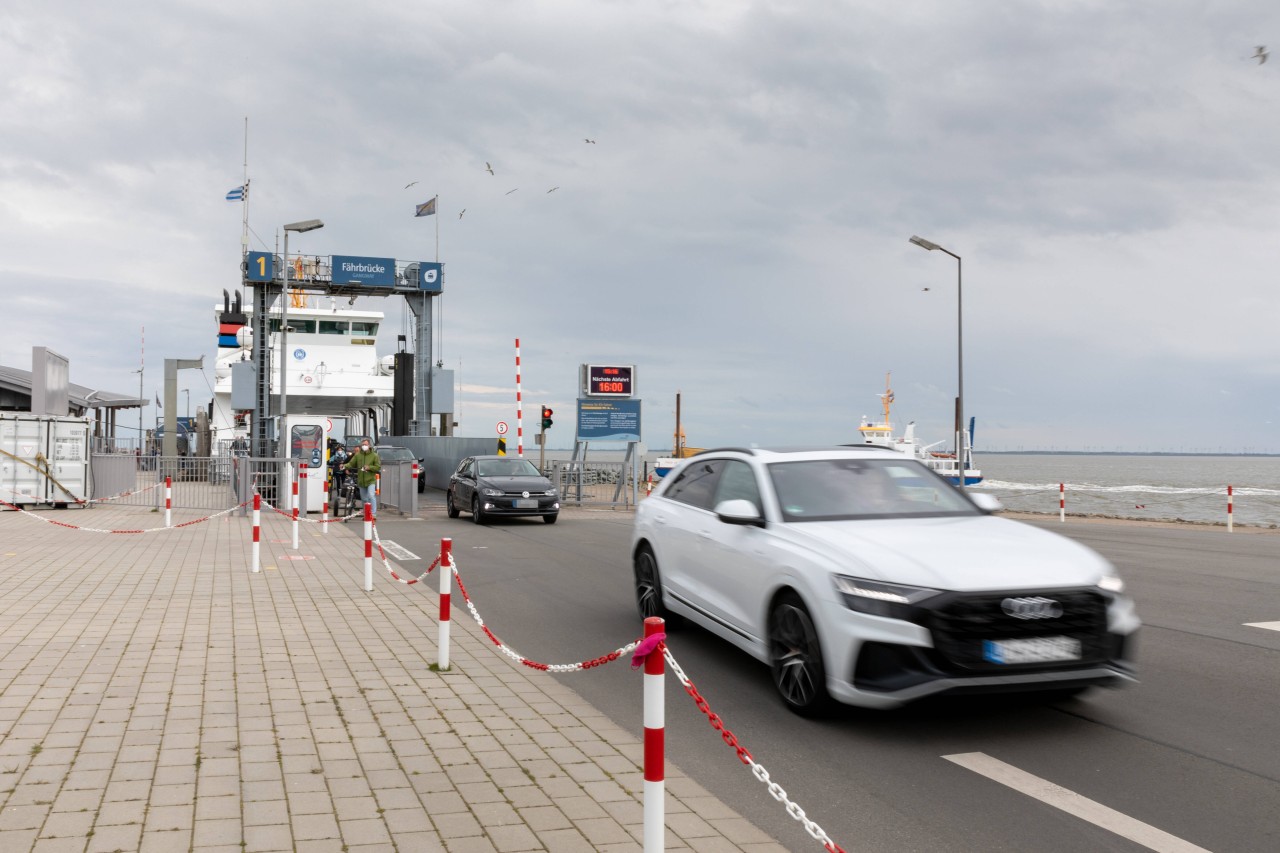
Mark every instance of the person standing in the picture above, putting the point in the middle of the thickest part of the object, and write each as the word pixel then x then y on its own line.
pixel 367 465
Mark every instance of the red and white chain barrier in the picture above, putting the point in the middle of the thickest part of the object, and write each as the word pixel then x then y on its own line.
pixel 194 521
pixel 580 666
pixel 775 790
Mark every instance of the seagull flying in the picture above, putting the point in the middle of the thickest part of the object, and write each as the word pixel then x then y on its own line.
pixel 509 192
pixel 590 141
pixel 411 183
pixel 925 289
pixel 487 167
pixel 1260 54
pixel 464 210
pixel 553 189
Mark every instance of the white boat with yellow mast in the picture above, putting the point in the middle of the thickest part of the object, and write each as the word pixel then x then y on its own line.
pixel 943 462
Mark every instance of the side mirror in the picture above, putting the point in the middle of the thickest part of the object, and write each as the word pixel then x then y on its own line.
pixel 739 511
pixel 986 502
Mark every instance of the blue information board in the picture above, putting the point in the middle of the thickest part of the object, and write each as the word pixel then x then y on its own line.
pixel 259 266
pixel 375 272
pixel 608 420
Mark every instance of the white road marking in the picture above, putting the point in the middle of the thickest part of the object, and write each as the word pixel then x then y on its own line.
pixel 398 551
pixel 1072 803
pixel 1270 626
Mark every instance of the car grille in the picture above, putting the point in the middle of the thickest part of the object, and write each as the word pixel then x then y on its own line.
pixel 961 624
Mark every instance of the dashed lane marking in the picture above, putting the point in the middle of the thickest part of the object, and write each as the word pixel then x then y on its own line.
pixel 1072 803
pixel 1270 626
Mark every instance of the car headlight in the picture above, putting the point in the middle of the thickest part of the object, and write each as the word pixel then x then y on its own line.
pixel 551 493
pixel 1111 583
pixel 878 598
pixel 491 493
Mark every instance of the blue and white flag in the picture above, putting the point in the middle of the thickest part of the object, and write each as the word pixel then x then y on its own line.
pixel 238 194
pixel 427 208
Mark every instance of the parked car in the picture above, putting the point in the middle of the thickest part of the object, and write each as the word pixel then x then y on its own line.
pixel 395 453
pixel 492 486
pixel 860 575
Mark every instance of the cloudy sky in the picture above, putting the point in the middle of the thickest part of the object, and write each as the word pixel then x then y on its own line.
pixel 1109 172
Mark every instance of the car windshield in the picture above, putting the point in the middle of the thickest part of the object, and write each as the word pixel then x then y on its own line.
pixel 844 488
pixel 506 468
pixel 395 454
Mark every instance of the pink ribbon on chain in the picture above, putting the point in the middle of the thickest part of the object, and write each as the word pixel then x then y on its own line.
pixel 646 647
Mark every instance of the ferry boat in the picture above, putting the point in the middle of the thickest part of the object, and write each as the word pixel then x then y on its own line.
pixel 942 461
pixel 334 370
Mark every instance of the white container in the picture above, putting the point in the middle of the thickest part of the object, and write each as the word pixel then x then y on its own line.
pixel 44 459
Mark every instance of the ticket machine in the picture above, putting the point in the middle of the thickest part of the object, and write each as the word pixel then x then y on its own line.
pixel 307 441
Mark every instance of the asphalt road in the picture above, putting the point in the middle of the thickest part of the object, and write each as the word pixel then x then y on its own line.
pixel 1187 759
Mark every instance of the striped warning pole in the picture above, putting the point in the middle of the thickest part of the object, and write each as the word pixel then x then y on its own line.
pixel 519 407
pixel 415 477
pixel 368 547
pixel 168 502
pixel 324 510
pixel 257 531
pixel 654 737
pixel 1062 502
pixel 1229 512
pixel 446 580
pixel 295 512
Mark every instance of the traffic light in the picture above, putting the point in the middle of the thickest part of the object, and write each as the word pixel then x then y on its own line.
pixel 546 418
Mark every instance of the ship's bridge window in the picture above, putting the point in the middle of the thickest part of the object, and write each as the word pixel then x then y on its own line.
pixel 333 327
pixel 306 327
pixel 361 327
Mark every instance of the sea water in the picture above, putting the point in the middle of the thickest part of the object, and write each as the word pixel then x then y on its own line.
pixel 1153 488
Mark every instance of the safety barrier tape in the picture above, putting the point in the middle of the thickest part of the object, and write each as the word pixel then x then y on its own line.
pixel 387 565
pixel 521 659
pixel 775 790
pixel 101 530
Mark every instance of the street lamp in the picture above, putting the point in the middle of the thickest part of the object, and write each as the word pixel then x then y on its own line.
pixel 300 227
pixel 960 457
pixel 140 373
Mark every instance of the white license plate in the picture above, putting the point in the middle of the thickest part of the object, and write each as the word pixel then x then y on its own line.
pixel 1031 650
pixel 526 503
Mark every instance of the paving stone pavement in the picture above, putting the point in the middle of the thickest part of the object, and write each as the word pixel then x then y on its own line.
pixel 156 695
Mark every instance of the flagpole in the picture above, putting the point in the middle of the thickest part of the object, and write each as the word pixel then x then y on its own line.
pixel 437 200
pixel 244 205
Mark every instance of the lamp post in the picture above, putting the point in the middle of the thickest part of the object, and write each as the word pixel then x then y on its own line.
pixel 960 455
pixel 300 227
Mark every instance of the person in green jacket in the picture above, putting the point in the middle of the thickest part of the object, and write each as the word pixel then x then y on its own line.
pixel 367 465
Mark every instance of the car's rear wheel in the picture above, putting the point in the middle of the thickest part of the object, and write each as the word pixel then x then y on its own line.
pixel 649 588
pixel 477 515
pixel 796 658
pixel 551 519
pixel 449 505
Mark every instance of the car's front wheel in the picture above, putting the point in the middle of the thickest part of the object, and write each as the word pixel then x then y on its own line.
pixel 449 505
pixel 476 514
pixel 796 658
pixel 551 519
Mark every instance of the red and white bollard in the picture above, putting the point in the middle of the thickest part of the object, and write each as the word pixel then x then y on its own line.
pixel 368 548
pixel 1062 502
pixel 1230 514
pixel 324 513
pixel 168 502
pixel 446 581
pixel 649 488
pixel 415 476
pixel 654 742
pixel 295 512
pixel 257 531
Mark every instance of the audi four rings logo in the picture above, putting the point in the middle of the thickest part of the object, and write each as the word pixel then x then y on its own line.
pixel 1036 607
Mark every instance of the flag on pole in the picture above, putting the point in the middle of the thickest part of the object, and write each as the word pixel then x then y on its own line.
pixel 427 208
pixel 238 194
pixel 158 406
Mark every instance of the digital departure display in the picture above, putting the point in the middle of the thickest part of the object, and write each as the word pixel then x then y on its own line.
pixel 609 380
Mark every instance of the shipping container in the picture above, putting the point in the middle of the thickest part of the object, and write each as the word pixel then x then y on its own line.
pixel 44 459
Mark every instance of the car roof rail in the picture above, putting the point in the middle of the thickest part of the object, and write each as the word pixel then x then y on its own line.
pixel 747 450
